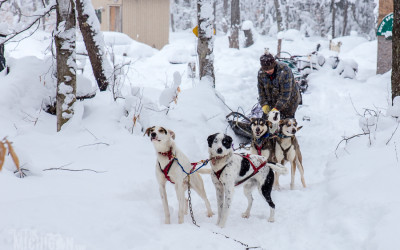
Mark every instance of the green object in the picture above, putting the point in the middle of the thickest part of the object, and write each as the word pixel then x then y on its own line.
pixel 386 26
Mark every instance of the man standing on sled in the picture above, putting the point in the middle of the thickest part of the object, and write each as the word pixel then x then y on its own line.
pixel 277 89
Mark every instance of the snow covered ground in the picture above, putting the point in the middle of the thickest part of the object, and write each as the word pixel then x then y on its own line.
pixel 351 201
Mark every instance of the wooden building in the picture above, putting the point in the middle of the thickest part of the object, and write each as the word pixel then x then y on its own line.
pixel 146 21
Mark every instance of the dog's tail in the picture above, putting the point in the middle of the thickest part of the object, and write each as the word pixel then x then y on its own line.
pixel 204 171
pixel 278 168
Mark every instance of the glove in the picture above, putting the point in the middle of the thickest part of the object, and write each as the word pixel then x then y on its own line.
pixel 274 109
pixel 266 109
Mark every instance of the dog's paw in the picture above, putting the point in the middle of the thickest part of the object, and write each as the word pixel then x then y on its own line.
pixel 245 215
pixel 210 214
pixel 271 219
pixel 277 187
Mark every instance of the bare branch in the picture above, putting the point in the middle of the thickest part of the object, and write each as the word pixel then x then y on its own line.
pixel 75 170
pixel 2 2
pixel 346 139
pixel 394 132
pixel 98 143
pixel 12 35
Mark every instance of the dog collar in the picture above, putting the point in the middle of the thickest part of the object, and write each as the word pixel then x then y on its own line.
pixel 168 154
pixel 214 159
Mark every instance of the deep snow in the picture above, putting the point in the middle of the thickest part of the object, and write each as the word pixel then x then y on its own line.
pixel 351 201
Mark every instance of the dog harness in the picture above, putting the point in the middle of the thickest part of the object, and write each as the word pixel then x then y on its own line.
pixel 285 151
pixel 259 148
pixel 255 169
pixel 219 172
pixel 165 171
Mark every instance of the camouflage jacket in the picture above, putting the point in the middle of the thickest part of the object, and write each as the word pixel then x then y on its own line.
pixel 281 92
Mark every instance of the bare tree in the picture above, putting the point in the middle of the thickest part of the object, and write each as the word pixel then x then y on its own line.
pixel 396 50
pixel 235 24
pixel 345 18
pixel 279 20
pixel 333 17
pixel 65 40
pixel 205 44
pixel 94 42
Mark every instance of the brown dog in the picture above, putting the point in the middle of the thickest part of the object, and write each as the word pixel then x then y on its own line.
pixel 287 149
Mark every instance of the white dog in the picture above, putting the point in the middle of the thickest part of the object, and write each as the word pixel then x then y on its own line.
pixel 167 169
pixel 230 170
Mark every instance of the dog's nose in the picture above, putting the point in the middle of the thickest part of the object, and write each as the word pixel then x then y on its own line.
pixel 294 131
pixel 219 150
pixel 257 129
pixel 153 135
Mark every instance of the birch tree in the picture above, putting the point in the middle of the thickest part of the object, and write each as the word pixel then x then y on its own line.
pixel 65 40
pixel 396 50
pixel 94 42
pixel 235 24
pixel 205 45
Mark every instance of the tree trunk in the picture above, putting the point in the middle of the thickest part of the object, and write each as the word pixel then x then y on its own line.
pixel 249 38
pixel 333 17
pixel 279 21
pixel 225 24
pixel 396 51
pixel 263 18
pixel 345 6
pixel 205 44
pixel 94 42
pixel 2 57
pixel 65 40
pixel 235 23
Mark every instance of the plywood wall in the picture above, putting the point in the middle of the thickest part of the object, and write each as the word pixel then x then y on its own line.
pixel 146 21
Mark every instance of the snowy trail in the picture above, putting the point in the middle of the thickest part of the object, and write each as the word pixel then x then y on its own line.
pixel 121 209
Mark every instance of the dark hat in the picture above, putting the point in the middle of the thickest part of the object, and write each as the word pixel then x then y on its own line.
pixel 267 61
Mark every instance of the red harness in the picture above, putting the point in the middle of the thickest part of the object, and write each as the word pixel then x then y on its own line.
pixel 165 171
pixel 258 149
pixel 255 169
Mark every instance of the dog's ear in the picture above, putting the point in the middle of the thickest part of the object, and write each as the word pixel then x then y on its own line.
pixel 298 128
pixel 269 124
pixel 172 133
pixel 210 139
pixel 252 120
pixel 147 132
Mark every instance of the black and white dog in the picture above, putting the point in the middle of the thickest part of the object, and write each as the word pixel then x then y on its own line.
pixel 230 169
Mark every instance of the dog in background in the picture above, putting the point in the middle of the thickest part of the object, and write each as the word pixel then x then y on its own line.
pixel 230 170
pixel 169 156
pixel 288 150
pixel 262 142
pixel 273 118
pixel 335 46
